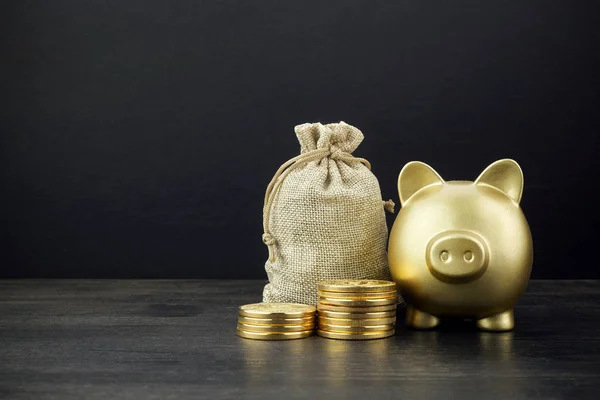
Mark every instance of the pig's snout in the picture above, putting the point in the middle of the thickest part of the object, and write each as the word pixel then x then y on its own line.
pixel 457 256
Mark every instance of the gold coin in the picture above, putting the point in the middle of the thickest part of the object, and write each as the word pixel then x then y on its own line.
pixel 329 307
pixel 356 329
pixel 353 315
pixel 359 295
pixel 276 321
pixel 358 303
pixel 356 285
pixel 355 336
pixel 274 329
pixel 273 336
pixel 356 322
pixel 276 310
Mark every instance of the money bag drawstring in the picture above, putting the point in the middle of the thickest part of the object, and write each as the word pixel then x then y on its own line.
pixel 283 172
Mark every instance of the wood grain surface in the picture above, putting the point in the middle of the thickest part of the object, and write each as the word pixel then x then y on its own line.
pixel 152 339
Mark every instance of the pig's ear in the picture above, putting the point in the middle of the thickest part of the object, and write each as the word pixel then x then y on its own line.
pixel 415 176
pixel 505 175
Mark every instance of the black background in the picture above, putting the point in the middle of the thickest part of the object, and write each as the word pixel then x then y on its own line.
pixel 138 137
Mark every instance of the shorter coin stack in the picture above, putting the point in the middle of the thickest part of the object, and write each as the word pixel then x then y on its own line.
pixel 357 309
pixel 276 321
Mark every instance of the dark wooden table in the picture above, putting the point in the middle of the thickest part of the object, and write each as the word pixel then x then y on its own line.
pixel 147 339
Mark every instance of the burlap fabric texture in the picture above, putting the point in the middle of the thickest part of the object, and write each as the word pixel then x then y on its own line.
pixel 323 216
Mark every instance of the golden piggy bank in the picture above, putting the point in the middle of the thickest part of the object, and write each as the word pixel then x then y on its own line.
pixel 461 248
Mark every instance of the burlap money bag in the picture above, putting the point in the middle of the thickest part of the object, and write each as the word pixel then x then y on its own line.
pixel 323 216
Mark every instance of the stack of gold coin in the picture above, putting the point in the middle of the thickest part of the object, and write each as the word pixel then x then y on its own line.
pixel 276 321
pixel 357 309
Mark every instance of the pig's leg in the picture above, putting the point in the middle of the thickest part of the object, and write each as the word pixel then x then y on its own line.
pixel 419 319
pixel 497 323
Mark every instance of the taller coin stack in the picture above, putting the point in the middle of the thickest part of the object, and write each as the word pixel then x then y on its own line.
pixel 276 321
pixel 357 309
